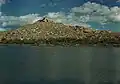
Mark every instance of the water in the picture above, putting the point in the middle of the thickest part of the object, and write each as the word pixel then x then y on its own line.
pixel 59 65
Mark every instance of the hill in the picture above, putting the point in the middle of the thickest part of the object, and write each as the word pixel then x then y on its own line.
pixel 49 32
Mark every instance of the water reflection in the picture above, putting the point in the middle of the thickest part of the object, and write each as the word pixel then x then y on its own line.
pixel 58 65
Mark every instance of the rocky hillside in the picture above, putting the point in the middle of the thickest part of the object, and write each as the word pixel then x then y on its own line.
pixel 49 32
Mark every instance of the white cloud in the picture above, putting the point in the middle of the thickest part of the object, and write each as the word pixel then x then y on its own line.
pixel 89 12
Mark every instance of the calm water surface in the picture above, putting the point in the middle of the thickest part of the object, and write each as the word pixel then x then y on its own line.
pixel 59 65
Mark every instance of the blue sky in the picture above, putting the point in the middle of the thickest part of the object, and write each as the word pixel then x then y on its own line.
pixel 22 7
pixel 25 7
pixel 18 7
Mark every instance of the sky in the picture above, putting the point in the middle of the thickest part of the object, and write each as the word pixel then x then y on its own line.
pixel 22 7
pixel 98 14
